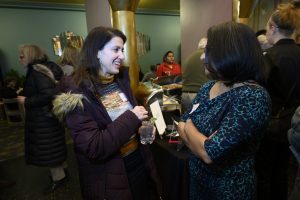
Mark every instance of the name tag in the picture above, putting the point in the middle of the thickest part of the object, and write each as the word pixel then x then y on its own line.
pixel 123 97
pixel 195 106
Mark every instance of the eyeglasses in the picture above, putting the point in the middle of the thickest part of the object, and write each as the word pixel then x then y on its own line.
pixel 205 64
pixel 205 60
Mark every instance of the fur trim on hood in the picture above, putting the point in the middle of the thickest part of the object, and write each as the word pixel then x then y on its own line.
pixel 44 70
pixel 65 103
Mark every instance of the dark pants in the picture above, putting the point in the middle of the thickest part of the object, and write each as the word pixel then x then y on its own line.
pixel 272 170
pixel 295 194
pixel 272 161
pixel 141 185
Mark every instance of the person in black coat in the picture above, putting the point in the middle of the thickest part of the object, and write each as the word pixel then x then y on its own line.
pixel 45 144
pixel 283 85
pixel 10 89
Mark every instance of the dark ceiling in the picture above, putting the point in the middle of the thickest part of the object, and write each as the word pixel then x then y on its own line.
pixel 163 5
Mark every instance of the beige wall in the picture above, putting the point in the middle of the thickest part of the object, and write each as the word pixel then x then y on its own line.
pixel 97 13
pixel 262 12
pixel 196 16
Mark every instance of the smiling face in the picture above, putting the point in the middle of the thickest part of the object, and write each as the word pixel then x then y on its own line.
pixel 111 56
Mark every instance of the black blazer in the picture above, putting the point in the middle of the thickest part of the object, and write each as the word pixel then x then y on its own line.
pixel 284 61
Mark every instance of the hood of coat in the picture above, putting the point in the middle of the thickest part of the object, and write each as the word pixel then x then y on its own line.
pixel 44 70
pixel 66 103
pixel 50 69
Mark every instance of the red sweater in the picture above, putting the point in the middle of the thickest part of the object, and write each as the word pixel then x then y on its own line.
pixel 165 70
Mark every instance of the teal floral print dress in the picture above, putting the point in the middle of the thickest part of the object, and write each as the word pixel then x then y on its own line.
pixel 234 123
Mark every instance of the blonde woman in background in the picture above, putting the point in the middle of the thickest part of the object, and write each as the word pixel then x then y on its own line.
pixel 69 59
pixel 45 144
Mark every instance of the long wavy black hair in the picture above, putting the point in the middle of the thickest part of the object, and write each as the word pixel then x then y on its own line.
pixel 89 65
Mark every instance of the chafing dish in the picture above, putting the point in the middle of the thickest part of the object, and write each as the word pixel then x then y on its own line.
pixel 148 92
pixel 173 89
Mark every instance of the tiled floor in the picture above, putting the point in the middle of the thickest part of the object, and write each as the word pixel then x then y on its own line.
pixel 31 180
pixel 11 141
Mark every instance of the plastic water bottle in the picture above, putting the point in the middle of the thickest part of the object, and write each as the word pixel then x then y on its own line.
pixel 147 132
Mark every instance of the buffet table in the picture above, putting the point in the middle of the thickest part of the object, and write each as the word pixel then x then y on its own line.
pixel 172 167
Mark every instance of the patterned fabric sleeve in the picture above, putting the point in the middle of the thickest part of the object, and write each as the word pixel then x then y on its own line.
pixel 243 123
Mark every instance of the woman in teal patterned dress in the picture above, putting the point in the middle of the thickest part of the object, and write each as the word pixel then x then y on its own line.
pixel 224 126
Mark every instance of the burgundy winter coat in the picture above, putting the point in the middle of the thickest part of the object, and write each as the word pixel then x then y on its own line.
pixel 98 139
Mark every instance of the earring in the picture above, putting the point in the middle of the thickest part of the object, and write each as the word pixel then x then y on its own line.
pixel 98 56
pixel 100 61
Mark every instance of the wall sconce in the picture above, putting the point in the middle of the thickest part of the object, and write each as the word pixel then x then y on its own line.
pixel 66 38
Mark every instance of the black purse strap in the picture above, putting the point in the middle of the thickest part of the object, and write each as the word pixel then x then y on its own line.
pixel 290 91
pixel 286 100
pixel 289 94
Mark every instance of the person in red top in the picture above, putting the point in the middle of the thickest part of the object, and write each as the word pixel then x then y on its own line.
pixel 169 67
